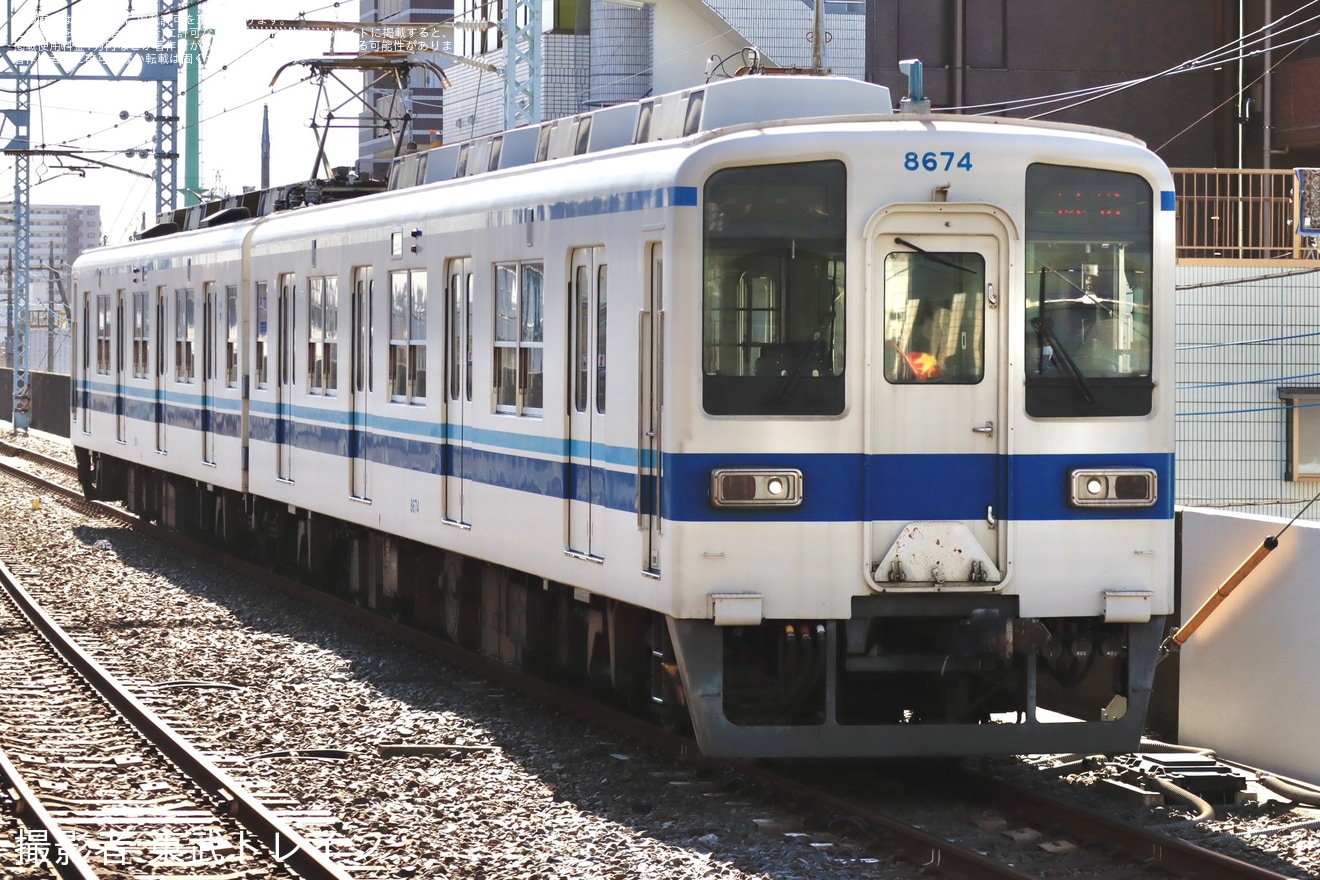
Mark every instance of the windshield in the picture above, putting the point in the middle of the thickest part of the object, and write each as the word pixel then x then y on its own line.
pixel 1088 290
pixel 773 299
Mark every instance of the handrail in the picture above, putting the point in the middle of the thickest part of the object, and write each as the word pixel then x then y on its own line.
pixel 1238 214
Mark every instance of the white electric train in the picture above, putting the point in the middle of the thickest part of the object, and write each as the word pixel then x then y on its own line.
pixel 831 429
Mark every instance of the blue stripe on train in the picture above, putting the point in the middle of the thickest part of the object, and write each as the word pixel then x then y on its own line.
pixel 848 488
pixel 837 487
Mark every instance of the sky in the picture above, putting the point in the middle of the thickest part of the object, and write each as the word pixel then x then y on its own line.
pixel 235 84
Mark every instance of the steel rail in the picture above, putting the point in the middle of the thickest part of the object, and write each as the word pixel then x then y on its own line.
pixel 37 458
pixel 1176 856
pixel 923 849
pixel 61 852
pixel 287 845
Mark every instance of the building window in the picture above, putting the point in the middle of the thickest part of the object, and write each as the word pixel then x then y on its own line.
pixel 141 336
pixel 408 336
pixel 184 324
pixel 103 334
pixel 1302 420
pixel 323 333
pixel 475 39
pixel 518 339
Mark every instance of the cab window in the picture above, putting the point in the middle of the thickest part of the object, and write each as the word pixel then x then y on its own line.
pixel 773 294
pixel 1088 292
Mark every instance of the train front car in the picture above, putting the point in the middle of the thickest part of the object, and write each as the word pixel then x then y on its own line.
pixel 919 491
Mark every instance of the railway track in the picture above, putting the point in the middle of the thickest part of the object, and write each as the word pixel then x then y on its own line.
pixel 1107 848
pixel 104 786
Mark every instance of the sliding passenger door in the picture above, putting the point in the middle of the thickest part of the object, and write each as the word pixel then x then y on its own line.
pixel 162 366
pixel 458 386
pixel 120 417
pixel 284 346
pixel 85 373
pixel 208 369
pixel 650 373
pixel 586 487
pixel 359 387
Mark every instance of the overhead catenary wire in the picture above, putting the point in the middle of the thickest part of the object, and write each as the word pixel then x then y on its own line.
pixel 92 142
pixel 1231 51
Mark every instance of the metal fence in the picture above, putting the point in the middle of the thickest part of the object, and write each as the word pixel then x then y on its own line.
pixel 49 349
pixel 1248 214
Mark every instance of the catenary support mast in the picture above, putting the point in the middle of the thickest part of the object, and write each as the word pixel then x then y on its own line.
pixel 49 62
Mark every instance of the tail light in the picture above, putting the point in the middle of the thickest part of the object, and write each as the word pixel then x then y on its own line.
pixel 737 487
pixel 1116 487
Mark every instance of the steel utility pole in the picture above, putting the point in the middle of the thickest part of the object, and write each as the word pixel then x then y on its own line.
pixel 192 138
pixel 522 69
pixel 53 62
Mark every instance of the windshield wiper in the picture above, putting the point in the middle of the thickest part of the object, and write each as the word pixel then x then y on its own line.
pixel 933 257
pixel 1043 327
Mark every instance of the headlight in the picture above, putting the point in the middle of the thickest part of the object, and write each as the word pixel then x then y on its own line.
pixel 738 487
pixel 1117 487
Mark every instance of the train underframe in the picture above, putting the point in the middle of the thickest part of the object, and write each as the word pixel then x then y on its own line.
pixel 908 674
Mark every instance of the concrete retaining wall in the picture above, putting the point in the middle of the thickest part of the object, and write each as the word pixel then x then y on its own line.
pixel 49 393
pixel 1248 684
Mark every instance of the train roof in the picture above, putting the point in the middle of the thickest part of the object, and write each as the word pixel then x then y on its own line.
pixel 717 105
pixel 720 106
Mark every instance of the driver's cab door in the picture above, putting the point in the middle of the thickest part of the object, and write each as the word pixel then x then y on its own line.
pixel 936 420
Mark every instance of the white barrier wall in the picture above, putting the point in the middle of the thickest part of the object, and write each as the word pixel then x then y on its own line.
pixel 1249 683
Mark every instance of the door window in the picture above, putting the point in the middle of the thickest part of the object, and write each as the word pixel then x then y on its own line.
pixel 934 318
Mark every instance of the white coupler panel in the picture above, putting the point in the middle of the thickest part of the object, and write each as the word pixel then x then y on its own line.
pixel 1248 686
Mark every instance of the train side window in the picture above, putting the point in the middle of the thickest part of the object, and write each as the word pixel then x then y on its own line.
pixel 407 370
pixel 363 330
pixel 103 334
pixel 773 302
pixel 601 276
pixel 231 336
pixel 141 336
pixel 459 321
pixel 162 300
pixel 519 345
pixel 119 332
pixel 86 330
pixel 185 323
pixel 323 335
pixel 934 318
pixel 467 330
pixel 287 323
pixel 581 325
pixel 208 330
pixel 262 328
pixel 1089 235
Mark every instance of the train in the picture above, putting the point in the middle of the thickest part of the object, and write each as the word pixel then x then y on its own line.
pixel 820 427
